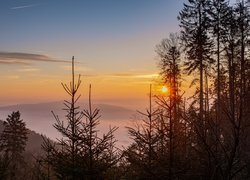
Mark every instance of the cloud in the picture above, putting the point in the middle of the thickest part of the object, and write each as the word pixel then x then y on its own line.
pixel 89 75
pixel 12 77
pixel 10 62
pixel 77 68
pixel 26 58
pixel 132 75
pixel 123 75
pixel 28 70
pixel 147 76
pixel 24 6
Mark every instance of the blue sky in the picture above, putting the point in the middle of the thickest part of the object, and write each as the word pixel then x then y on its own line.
pixel 33 25
pixel 112 39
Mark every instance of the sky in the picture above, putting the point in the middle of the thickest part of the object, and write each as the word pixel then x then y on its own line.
pixel 113 42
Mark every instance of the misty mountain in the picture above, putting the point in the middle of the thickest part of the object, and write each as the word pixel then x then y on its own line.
pixel 39 117
pixel 44 110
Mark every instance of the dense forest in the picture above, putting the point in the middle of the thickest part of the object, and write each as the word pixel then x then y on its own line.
pixel 205 136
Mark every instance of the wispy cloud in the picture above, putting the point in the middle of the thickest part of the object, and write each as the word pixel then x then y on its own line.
pixel 132 75
pixel 12 77
pixel 29 70
pixel 147 76
pixel 26 58
pixel 89 75
pixel 24 6
pixel 123 75
pixel 77 68
pixel 10 62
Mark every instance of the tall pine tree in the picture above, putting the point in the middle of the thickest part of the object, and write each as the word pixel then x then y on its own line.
pixel 13 141
pixel 194 22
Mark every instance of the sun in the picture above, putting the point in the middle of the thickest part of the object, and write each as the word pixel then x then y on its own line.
pixel 164 89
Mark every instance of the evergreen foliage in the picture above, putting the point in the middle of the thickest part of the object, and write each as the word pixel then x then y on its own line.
pixel 13 141
pixel 205 136
pixel 81 153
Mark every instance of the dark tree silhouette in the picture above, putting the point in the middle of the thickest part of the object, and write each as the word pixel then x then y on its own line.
pixel 169 52
pixel 197 43
pixel 206 136
pixel 141 154
pixel 219 12
pixel 13 141
pixel 81 153
pixel 4 163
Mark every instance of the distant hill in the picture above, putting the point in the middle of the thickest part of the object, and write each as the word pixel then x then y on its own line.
pixel 44 109
pixel 39 118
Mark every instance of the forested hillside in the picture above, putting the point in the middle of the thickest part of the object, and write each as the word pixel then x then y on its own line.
pixel 203 136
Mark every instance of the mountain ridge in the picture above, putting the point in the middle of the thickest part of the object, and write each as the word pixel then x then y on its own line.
pixel 38 117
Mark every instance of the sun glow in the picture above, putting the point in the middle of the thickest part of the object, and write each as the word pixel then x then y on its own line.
pixel 164 89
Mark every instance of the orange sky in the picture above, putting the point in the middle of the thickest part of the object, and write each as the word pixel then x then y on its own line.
pixel 113 42
pixel 31 85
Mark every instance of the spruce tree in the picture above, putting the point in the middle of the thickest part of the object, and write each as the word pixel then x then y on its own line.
pixel 169 52
pixel 194 23
pixel 13 141
pixel 142 153
pixel 81 153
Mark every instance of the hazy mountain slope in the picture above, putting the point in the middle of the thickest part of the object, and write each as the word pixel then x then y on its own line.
pixel 44 110
pixel 39 118
pixel 34 141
